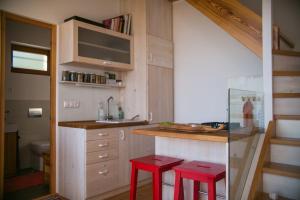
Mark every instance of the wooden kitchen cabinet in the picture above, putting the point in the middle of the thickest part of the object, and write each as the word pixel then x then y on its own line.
pixel 83 44
pixel 133 146
pixel 149 90
pixel 160 52
pixel 161 106
pixel 159 18
pixel 93 163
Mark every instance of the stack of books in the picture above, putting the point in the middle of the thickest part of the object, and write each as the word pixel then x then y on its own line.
pixel 120 24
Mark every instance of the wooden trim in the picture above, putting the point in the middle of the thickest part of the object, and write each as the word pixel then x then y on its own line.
pixel 5 16
pixel 286 73
pixel 264 155
pixel 2 99
pixel 286 53
pixel 26 20
pixel 53 110
pixel 287 117
pixel 286 141
pixel 286 95
pixel 30 50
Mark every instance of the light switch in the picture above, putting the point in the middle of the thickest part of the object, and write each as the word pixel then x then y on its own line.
pixel 66 104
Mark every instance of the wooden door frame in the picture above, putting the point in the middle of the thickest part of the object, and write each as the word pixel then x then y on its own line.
pixel 4 17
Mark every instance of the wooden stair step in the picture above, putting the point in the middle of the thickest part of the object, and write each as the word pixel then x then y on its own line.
pixel 286 53
pixel 286 141
pixel 287 117
pixel 286 95
pixel 286 73
pixel 282 170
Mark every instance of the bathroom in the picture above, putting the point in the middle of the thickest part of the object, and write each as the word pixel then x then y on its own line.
pixel 27 109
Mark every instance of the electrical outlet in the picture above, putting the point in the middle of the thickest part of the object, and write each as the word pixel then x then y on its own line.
pixel 71 104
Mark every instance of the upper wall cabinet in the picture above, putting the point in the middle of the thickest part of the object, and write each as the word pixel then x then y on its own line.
pixel 160 52
pixel 84 44
pixel 159 18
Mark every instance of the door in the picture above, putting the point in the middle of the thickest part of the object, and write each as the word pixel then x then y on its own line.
pixel 160 94
pixel 8 44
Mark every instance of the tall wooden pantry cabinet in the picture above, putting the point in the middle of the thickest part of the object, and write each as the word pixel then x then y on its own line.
pixel 150 91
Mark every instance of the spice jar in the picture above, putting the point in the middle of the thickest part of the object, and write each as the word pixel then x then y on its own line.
pixel 87 78
pixel 103 79
pixel 79 77
pixel 65 75
pixel 93 78
pixel 98 79
pixel 73 76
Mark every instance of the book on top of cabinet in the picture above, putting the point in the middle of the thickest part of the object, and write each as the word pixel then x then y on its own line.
pixel 120 24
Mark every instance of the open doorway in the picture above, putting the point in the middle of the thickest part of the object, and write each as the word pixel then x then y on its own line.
pixel 27 140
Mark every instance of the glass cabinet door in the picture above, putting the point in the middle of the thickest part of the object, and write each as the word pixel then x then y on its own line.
pixel 97 45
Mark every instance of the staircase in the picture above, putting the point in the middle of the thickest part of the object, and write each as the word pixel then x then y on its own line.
pixel 282 174
pixel 235 18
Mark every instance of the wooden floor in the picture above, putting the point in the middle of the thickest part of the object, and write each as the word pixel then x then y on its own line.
pixel 144 193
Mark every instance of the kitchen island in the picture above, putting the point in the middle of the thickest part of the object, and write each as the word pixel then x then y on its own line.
pixel 202 146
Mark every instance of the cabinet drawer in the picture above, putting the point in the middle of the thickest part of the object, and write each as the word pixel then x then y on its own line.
pixel 101 177
pixel 98 145
pixel 99 134
pixel 101 156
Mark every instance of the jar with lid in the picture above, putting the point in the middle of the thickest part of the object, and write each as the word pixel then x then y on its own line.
pixel 93 78
pixel 73 76
pixel 65 76
pixel 87 78
pixel 79 77
pixel 98 79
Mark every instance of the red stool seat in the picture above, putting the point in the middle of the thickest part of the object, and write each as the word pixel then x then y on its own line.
pixel 199 172
pixel 155 164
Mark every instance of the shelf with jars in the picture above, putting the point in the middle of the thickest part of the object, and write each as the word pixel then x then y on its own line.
pixel 81 79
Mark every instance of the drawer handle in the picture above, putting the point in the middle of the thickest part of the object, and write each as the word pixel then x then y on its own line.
pixel 102 134
pixel 103 156
pixel 103 145
pixel 104 172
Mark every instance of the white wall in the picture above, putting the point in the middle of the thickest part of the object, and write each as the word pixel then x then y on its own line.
pixel 206 57
pixel 55 12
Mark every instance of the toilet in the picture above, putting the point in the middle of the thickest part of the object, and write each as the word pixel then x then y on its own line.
pixel 38 148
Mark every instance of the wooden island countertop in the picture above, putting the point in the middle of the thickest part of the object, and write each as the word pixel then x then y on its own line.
pixel 220 136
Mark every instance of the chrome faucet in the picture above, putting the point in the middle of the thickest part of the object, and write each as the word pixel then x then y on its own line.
pixel 134 117
pixel 109 117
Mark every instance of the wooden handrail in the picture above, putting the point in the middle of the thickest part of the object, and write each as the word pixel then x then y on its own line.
pixel 263 157
pixel 239 21
pixel 279 36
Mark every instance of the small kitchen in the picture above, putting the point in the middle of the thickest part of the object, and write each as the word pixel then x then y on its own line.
pixel 116 102
pixel 136 79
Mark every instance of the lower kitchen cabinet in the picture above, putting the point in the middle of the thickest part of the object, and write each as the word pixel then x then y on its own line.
pixel 96 162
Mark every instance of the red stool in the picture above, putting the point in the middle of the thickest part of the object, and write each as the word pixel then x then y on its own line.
pixel 199 172
pixel 155 164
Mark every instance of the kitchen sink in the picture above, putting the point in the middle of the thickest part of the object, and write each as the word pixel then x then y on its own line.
pixel 118 121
